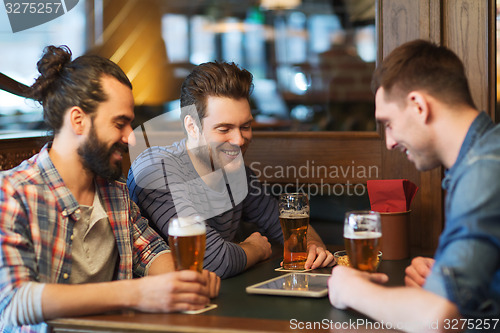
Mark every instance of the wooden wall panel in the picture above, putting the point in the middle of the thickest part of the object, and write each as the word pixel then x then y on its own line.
pixel 468 31
pixel 15 150
pixel 352 157
pixel 349 157
pixel 404 21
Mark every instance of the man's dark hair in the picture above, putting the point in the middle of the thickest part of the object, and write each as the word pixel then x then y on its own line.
pixel 63 83
pixel 216 79
pixel 422 65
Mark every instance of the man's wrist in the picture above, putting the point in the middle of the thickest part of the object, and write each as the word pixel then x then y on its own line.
pixel 127 294
pixel 317 244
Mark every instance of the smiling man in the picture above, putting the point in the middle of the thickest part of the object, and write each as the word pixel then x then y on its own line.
pixel 425 106
pixel 71 240
pixel 204 174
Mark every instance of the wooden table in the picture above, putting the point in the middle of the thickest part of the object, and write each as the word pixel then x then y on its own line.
pixel 241 312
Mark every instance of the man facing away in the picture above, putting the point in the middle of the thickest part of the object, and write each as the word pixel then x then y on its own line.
pixel 425 106
pixel 204 174
pixel 70 238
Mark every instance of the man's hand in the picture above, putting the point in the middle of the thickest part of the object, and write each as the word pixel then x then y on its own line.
pixel 172 292
pixel 257 248
pixel 318 257
pixel 344 280
pixel 418 271
pixel 213 283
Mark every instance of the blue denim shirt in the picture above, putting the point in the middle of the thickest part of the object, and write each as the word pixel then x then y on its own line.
pixel 467 266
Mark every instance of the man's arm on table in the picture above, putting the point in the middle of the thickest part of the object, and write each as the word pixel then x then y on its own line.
pixel 257 248
pixel 410 309
pixel 175 291
pixel 162 291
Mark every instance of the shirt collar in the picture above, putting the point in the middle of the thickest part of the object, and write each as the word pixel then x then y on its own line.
pixel 66 202
pixel 479 126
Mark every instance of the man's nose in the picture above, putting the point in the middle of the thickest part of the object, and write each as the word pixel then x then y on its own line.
pixel 129 137
pixel 237 138
pixel 390 143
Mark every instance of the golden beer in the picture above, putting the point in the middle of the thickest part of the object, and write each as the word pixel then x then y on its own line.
pixel 294 228
pixel 187 244
pixel 363 248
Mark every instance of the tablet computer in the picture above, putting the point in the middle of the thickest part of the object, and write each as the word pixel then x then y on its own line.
pixel 293 284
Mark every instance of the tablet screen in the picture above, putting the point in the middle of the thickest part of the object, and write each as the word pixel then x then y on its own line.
pixel 293 284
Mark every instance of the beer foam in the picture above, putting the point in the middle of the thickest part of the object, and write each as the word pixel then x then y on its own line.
pixel 362 234
pixel 182 229
pixel 293 215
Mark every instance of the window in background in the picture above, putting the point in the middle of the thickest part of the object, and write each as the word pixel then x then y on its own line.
pixel 232 40
pixel 312 60
pixel 19 54
pixel 202 39
pixel 175 31
pixel 255 43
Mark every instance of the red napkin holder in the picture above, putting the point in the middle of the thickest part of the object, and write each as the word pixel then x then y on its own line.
pixel 395 241
pixel 392 199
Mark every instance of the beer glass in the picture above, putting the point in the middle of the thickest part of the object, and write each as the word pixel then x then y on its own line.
pixel 186 238
pixel 294 220
pixel 362 233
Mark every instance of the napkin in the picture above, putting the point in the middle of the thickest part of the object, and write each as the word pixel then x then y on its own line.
pixel 391 195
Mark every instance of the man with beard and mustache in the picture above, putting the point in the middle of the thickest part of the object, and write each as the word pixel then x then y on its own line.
pixel 71 240
pixel 204 174
pixel 424 104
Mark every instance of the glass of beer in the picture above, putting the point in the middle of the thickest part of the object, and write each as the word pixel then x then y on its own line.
pixel 294 220
pixel 362 233
pixel 186 238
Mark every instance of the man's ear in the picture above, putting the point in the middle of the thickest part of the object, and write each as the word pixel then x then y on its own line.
pixel 191 127
pixel 78 119
pixel 420 106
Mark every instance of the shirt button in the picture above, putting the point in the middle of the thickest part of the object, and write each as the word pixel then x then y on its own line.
pixel 65 276
pixel 72 237
pixel 64 213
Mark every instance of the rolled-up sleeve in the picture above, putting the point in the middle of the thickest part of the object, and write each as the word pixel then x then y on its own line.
pixel 467 266
pixel 17 258
pixel 463 275
pixel 147 243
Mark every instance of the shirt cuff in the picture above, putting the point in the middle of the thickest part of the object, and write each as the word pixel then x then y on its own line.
pixel 25 308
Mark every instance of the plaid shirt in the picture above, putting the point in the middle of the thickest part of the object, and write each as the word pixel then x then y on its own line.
pixel 37 215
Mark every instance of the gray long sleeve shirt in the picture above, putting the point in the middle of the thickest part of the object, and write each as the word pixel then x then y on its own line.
pixel 165 184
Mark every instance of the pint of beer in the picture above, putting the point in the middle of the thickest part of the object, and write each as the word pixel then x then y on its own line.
pixel 294 220
pixel 186 238
pixel 362 233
